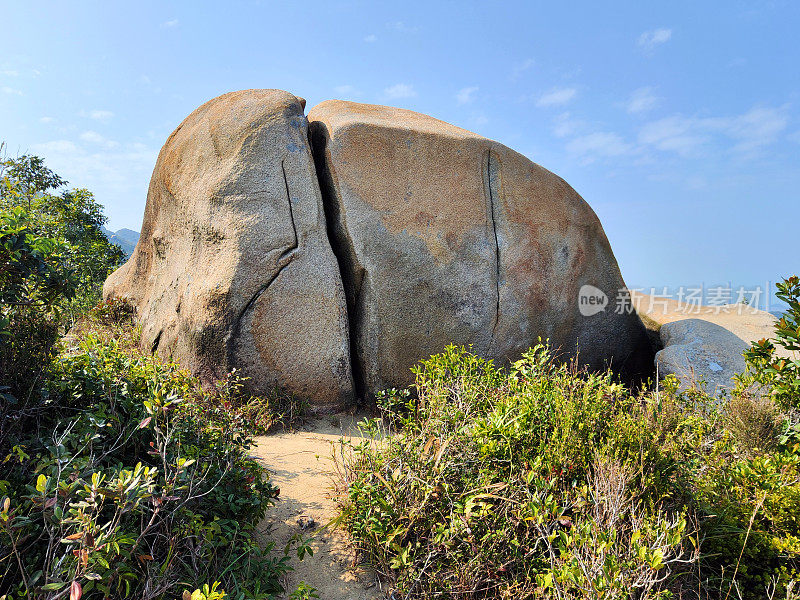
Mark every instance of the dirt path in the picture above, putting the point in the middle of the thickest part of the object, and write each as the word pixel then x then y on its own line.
pixel 300 464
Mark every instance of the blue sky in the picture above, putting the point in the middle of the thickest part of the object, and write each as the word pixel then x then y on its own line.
pixel 679 122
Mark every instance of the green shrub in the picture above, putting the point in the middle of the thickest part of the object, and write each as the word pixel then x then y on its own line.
pixel 539 482
pixel 206 593
pixel 545 481
pixel 53 261
pixel 31 285
pixel 230 405
pixel 118 487
pixel 753 531
pixel 766 371
pixel 71 218
pixel 754 421
pixel 121 476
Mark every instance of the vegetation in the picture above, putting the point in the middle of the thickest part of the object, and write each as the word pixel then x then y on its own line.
pixel 118 488
pixel 543 481
pixel 767 371
pixel 82 256
pixel 120 476
pixel 53 261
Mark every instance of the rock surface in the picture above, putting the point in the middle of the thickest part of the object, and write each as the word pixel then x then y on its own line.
pixel 233 267
pixel 422 234
pixel 703 345
pixel 444 236
pixel 700 353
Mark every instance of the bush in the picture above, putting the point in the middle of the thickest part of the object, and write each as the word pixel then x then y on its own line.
pixel 545 481
pixel 755 422
pixel 230 405
pixel 777 376
pixel 31 284
pixel 121 477
pixel 542 481
pixel 751 537
pixel 54 258
pixel 70 218
pixel 118 487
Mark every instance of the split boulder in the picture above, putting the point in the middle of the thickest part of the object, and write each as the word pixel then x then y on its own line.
pixel 329 269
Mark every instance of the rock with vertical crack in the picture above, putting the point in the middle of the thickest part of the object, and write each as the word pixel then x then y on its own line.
pixel 233 268
pixel 444 236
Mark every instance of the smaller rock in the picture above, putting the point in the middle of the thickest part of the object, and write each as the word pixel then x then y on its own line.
pixel 703 343
pixel 701 354
pixel 305 522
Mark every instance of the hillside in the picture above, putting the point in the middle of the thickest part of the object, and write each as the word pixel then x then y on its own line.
pixel 124 238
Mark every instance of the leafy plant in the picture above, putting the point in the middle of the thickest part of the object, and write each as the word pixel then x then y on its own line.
pixel 53 261
pixel 207 593
pixel 118 489
pixel 778 376
pixel 72 219
pixel 304 592
pixel 543 481
pixel 488 489
pixel 230 405
pixel 31 284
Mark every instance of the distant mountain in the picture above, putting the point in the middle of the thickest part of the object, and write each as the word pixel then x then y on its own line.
pixel 124 238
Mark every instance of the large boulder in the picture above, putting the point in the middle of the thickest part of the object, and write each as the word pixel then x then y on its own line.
pixel 233 267
pixel 444 236
pixel 421 235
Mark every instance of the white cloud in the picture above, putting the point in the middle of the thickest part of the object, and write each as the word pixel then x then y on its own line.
pixel 465 95
pixel 99 115
pixel 170 24
pixel 674 134
pixel 55 147
pixel 479 119
pixel 400 90
pixel 741 137
pixel 556 97
pixel 46 119
pixel 600 144
pixel 650 39
pixel 117 177
pixel 346 90
pixel 564 125
pixel 371 38
pixel 92 136
pixel 686 136
pixel 641 100
pixel 95 138
pixel 11 91
pixel 520 68
pixel 9 73
pixel 756 128
pixel 402 27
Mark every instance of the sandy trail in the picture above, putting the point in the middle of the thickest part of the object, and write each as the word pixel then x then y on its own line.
pixel 300 464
